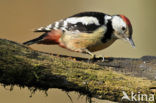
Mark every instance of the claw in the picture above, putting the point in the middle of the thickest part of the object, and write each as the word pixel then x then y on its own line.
pixel 99 57
pixel 93 56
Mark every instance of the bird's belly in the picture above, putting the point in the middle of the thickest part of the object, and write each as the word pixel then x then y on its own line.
pixel 80 41
pixel 100 45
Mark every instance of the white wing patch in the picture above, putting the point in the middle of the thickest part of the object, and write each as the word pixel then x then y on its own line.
pixel 84 20
pixel 107 18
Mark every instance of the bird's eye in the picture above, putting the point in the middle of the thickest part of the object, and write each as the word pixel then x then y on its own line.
pixel 123 28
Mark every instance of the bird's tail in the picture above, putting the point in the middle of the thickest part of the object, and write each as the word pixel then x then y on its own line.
pixel 36 40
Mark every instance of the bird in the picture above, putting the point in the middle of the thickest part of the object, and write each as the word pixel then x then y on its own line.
pixel 86 32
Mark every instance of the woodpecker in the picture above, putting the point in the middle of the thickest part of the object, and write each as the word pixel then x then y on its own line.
pixel 86 32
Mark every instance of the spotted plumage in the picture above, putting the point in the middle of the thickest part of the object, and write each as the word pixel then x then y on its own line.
pixel 86 32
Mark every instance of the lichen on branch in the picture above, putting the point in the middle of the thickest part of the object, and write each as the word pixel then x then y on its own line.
pixel 23 66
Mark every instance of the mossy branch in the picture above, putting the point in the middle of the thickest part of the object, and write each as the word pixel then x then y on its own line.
pixel 20 65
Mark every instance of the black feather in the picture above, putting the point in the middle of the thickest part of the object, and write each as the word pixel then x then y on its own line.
pixel 43 30
pixel 98 15
pixel 109 32
pixel 36 40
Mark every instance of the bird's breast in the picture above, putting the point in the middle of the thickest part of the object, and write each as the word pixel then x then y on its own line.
pixel 90 41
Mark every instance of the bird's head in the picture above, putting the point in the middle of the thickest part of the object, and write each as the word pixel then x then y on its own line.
pixel 122 28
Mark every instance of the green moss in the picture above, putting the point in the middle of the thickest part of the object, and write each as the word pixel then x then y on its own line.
pixel 24 67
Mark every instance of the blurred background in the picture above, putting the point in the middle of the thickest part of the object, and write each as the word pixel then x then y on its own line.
pixel 18 19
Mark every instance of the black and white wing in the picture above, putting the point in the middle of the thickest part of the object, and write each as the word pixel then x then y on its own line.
pixel 83 22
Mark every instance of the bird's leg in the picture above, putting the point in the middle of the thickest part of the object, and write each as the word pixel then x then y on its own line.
pixel 88 52
pixel 93 55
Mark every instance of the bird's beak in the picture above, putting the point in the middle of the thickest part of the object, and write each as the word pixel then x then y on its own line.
pixel 130 40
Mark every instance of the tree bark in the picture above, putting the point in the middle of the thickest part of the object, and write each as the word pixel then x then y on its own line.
pixel 23 66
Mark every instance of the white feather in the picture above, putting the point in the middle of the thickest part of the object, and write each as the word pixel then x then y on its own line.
pixel 84 20
pixel 48 27
pixel 107 17
pixel 117 23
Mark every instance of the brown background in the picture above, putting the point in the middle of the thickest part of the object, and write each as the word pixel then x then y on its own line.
pixel 18 18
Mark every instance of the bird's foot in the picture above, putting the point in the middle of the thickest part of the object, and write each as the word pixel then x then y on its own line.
pixel 94 57
pixel 97 57
pixel 100 57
